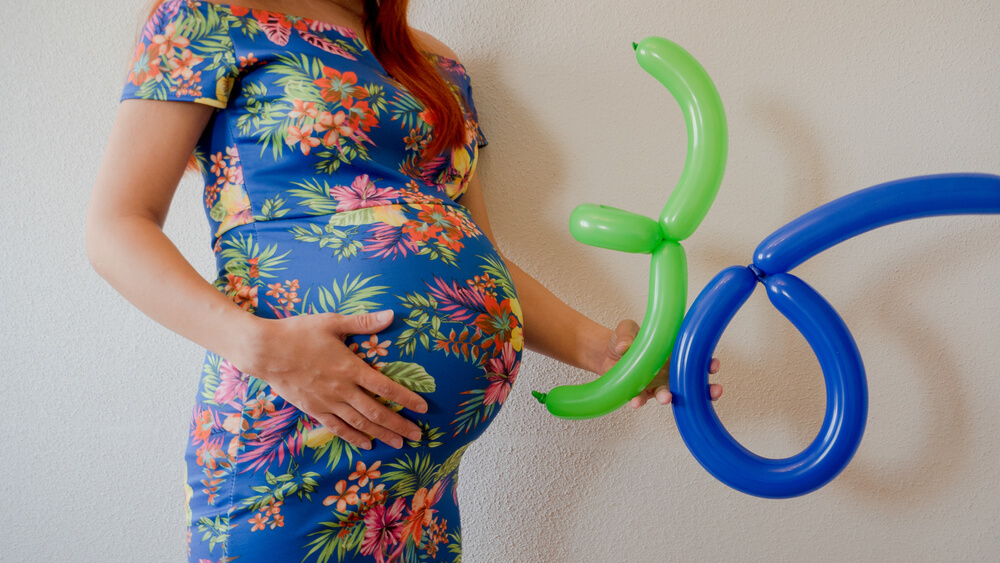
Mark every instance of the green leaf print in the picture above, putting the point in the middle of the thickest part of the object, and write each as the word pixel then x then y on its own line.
pixel 455 547
pixel 210 378
pixel 450 465
pixel 330 541
pixel 410 475
pixel 406 109
pixel 216 531
pixel 316 197
pixel 501 276
pixel 341 241
pixel 354 217
pixel 272 209
pixel 352 297
pixel 473 411
pixel 412 376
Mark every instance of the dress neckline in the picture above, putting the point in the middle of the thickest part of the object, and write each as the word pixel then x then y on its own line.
pixel 339 29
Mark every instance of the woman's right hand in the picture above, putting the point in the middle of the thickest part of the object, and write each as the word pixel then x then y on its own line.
pixel 305 360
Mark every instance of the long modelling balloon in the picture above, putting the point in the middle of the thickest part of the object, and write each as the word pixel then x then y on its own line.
pixel 607 227
pixel 846 388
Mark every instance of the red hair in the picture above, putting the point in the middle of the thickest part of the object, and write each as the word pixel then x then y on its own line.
pixel 393 44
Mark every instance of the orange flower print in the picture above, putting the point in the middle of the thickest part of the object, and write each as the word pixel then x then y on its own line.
pixel 340 87
pixel 259 522
pixel 345 496
pixel 363 474
pixel 374 347
pixel 145 66
pixel 303 109
pixel 303 137
pixel 203 425
pixel 335 125
pixel 165 44
pixel 183 66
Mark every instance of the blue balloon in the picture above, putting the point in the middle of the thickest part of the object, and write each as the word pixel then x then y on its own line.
pixel 843 371
pixel 874 207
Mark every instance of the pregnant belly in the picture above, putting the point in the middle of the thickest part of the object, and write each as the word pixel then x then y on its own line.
pixel 457 334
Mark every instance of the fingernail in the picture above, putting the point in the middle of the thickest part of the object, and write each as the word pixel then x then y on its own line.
pixel 367 445
pixel 383 316
pixel 422 407
pixel 397 443
pixel 416 436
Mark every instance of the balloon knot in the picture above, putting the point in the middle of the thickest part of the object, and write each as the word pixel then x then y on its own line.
pixel 539 395
pixel 761 276
pixel 635 45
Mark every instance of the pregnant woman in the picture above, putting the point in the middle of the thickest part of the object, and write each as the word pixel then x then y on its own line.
pixel 356 274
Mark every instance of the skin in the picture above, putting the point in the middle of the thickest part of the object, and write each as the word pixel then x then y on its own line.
pixel 304 357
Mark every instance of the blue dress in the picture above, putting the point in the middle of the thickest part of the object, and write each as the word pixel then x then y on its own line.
pixel 316 202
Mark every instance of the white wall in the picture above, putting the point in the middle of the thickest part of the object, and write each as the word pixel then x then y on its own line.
pixel 822 99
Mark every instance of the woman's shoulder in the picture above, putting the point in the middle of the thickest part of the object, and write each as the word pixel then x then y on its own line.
pixel 432 45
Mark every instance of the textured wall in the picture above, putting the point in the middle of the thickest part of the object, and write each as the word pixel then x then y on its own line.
pixel 822 99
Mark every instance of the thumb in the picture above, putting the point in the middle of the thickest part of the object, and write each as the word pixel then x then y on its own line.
pixel 363 323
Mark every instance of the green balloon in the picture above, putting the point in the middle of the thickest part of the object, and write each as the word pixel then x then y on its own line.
pixel 708 138
pixel 616 229
pixel 607 227
pixel 644 358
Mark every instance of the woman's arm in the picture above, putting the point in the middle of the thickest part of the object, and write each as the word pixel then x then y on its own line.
pixel 303 358
pixel 145 157
pixel 553 328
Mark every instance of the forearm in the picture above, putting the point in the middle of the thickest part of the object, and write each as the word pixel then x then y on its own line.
pixel 553 328
pixel 134 255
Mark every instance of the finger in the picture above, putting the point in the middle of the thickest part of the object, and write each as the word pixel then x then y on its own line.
pixel 622 338
pixel 714 391
pixel 363 323
pixel 713 367
pixel 393 424
pixel 344 431
pixel 362 423
pixel 380 384
pixel 663 395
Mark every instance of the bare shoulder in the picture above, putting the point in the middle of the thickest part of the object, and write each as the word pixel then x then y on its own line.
pixel 432 44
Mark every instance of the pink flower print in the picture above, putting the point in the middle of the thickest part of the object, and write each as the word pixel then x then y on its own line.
pixel 383 527
pixel 303 137
pixel 374 347
pixel 232 384
pixel 501 373
pixel 234 174
pixel 302 109
pixel 362 193
pixel 233 155
pixel 183 66
pixel 345 495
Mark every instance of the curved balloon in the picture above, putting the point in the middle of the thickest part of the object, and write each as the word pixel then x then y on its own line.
pixel 616 229
pixel 846 388
pixel 874 207
pixel 645 357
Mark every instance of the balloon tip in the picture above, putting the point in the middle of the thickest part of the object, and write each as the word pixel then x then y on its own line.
pixel 635 46
pixel 539 395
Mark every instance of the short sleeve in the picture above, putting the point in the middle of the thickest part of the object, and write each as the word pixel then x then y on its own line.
pixel 184 54
pixel 480 137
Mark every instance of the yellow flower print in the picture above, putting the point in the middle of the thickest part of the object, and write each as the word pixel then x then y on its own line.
pixel 318 437
pixel 517 338
pixel 389 214
pixel 232 209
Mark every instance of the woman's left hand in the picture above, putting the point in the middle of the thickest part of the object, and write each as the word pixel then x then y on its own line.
pixel 622 337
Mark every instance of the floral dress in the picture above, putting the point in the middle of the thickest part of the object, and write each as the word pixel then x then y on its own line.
pixel 317 202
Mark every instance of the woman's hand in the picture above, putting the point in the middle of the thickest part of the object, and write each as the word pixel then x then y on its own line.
pixel 622 337
pixel 304 359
